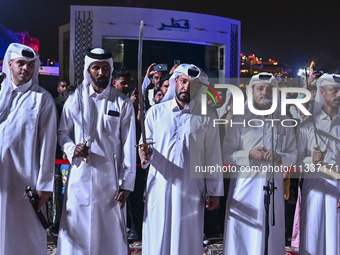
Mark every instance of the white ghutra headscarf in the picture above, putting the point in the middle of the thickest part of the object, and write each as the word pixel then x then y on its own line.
pixel 190 70
pixel 16 50
pixel 82 94
pixel 266 78
pixel 324 80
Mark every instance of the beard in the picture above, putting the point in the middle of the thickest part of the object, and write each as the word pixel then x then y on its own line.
pixel 101 82
pixel 126 90
pixel 63 93
pixel 183 99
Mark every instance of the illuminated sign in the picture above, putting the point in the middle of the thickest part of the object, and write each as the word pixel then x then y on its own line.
pixel 176 24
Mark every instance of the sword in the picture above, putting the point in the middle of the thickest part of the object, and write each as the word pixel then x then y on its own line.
pixel 80 103
pixel 82 121
pixel 122 217
pixel 33 198
pixel 140 96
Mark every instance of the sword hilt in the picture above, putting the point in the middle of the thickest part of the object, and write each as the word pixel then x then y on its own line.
pixel 34 200
pixel 86 160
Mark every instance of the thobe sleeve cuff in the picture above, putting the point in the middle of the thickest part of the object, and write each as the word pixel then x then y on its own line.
pixel 215 187
pixel 144 166
pixel 145 84
pixel 285 160
pixel 128 184
pixel 45 185
pixel 75 161
pixel 308 160
pixel 68 148
pixel 239 158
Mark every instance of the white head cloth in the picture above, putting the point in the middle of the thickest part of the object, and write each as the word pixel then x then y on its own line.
pixel 324 80
pixel 188 69
pixel 258 79
pixel 93 55
pixel 225 107
pixel 16 50
pixel 266 78
pixel 83 92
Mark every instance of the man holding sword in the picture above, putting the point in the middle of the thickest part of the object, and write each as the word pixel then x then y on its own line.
pixel 98 121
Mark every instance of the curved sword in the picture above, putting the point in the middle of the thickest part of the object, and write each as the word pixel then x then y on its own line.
pixel 140 94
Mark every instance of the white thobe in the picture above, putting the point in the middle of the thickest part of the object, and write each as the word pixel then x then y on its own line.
pixel 319 219
pixel 28 140
pixel 91 220
pixel 244 231
pixel 174 203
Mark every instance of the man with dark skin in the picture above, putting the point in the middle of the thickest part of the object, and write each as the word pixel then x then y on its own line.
pixel 62 86
pixel 62 90
pixel 121 79
pixel 317 139
pixel 97 123
pixel 246 146
pixel 155 78
pixel 158 96
pixel 165 83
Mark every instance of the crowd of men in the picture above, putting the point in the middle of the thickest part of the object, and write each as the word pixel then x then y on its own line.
pixel 98 127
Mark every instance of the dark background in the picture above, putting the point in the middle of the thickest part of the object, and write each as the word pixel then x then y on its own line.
pixel 292 32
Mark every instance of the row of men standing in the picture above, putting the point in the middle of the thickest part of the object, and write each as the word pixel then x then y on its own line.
pixel 104 118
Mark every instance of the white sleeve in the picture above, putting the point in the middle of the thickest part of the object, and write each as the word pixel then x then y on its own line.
pixel 232 155
pixel 213 156
pixel 47 135
pixel 66 135
pixel 127 173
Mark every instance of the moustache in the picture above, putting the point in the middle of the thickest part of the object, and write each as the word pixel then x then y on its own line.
pixel 103 78
pixel 186 93
pixel 267 101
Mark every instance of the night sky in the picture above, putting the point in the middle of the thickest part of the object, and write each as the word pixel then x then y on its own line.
pixel 294 32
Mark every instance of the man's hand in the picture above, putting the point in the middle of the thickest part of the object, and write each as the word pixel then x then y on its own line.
pixel 134 98
pixel 173 69
pixel 122 196
pixel 43 198
pixel 212 203
pixel 268 157
pixel 150 70
pixel 303 116
pixel 314 75
pixel 81 150
pixel 257 153
pixel 318 155
pixel 145 154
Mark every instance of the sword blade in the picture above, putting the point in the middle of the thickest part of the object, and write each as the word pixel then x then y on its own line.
pixel 141 96
pixel 81 109
pixel 81 113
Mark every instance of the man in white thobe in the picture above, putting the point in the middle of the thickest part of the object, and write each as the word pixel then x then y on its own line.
pixel 318 143
pixel 28 129
pixel 174 201
pixel 249 145
pixel 103 118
